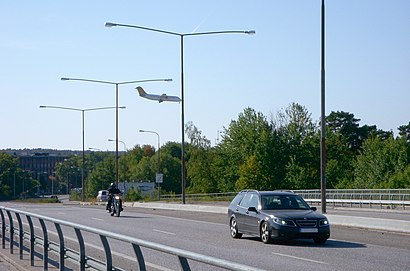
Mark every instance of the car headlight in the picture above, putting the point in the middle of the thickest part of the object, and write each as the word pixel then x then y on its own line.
pixel 284 222
pixel 323 222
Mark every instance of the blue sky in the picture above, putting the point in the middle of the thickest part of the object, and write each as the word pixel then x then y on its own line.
pixel 367 66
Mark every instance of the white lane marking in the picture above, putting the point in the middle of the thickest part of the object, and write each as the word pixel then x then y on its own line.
pixel 191 220
pixel 299 258
pixel 166 232
pixel 99 219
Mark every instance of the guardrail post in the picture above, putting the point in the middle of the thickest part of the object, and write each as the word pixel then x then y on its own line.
pixel 351 200
pixel 3 230
pixel 184 263
pixel 21 235
pixel 370 202
pixel 11 229
pixel 45 244
pixel 61 245
pixel 32 239
pixel 140 257
pixel 80 238
pixel 107 250
pixel 402 199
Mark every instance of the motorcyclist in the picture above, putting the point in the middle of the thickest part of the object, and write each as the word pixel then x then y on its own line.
pixel 111 192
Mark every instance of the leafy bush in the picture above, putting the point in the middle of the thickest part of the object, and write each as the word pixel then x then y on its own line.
pixel 133 194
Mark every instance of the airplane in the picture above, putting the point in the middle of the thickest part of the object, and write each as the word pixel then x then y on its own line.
pixel 160 98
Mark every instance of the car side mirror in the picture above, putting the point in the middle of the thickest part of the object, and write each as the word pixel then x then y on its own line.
pixel 313 209
pixel 252 209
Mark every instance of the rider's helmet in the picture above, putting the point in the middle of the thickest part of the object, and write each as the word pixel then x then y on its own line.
pixel 112 185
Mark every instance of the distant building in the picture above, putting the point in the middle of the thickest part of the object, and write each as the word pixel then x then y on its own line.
pixel 40 164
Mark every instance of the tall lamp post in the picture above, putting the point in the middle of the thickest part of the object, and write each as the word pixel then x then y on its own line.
pixel 181 35
pixel 82 111
pixel 125 152
pixel 159 158
pixel 116 106
pixel 323 116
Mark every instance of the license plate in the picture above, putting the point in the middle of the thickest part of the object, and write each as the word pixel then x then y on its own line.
pixel 308 230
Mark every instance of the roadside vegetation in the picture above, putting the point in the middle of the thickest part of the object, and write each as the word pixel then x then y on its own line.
pixel 39 200
pixel 280 151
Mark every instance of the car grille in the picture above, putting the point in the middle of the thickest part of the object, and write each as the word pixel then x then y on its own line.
pixel 307 223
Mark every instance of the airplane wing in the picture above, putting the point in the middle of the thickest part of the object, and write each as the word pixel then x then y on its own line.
pixel 165 97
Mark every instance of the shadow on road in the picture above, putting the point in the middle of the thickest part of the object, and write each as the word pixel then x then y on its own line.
pixel 309 243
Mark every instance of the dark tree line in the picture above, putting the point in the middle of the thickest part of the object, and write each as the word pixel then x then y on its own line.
pixel 282 152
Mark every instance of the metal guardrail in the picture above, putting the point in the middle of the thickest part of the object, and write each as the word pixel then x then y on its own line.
pixel 19 234
pixel 391 198
pixel 344 197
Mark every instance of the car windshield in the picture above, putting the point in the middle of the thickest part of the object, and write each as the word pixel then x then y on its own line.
pixel 283 202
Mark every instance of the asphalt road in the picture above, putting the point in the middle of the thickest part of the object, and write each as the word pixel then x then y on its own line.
pixel 208 234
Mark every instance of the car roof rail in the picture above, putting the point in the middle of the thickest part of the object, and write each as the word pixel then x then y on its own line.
pixel 285 190
pixel 249 190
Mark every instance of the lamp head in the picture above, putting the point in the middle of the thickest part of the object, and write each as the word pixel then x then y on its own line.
pixel 250 32
pixel 108 24
pixel 168 80
pixel 42 106
pixel 65 78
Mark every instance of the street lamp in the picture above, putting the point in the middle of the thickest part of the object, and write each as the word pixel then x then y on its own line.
pixel 181 35
pixel 159 158
pixel 125 152
pixel 323 116
pixel 116 106
pixel 82 111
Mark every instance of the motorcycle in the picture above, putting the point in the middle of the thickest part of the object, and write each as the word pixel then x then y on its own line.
pixel 116 205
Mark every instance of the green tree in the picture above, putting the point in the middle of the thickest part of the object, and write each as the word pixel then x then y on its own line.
pixel 138 161
pixel 171 167
pixel 400 180
pixel 9 168
pixel 340 161
pixel 199 173
pixel 247 142
pixel 101 176
pixel 404 132
pixel 347 125
pixel 380 161
pixel 301 137
pixel 251 175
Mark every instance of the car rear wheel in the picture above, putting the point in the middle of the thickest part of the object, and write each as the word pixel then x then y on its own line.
pixel 265 233
pixel 234 229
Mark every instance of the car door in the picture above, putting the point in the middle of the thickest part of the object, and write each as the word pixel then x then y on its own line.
pixel 240 212
pixel 248 221
pixel 251 217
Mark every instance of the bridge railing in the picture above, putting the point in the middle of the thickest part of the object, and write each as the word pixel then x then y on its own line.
pixel 13 231
pixel 391 198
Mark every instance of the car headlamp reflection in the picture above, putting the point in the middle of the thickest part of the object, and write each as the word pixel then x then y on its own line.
pixel 284 222
pixel 323 222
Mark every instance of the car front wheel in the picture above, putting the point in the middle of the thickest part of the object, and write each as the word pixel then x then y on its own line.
pixel 234 229
pixel 265 233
